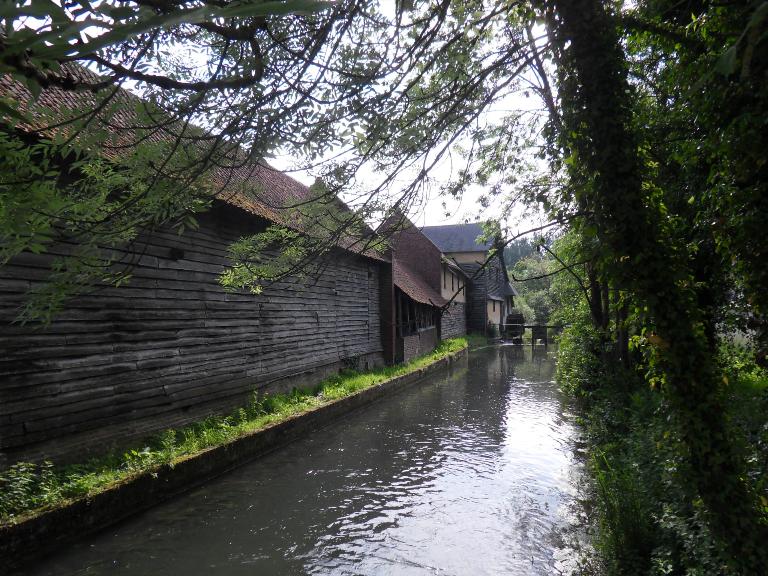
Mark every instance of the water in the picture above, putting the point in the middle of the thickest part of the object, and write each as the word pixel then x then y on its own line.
pixel 470 473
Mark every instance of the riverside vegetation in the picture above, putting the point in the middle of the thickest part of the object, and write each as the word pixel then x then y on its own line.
pixel 27 489
pixel 645 515
pixel 645 519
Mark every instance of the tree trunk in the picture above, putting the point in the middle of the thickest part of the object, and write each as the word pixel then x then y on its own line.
pixel 622 337
pixel 595 298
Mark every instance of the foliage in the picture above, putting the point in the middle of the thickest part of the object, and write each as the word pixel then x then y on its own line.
pixel 316 226
pixel 55 197
pixel 28 488
pixel 530 275
pixel 647 520
pixel 475 340
pixel 523 248
pixel 579 366
pixel 656 145
pixel 349 87
pixel 647 226
pixel 259 257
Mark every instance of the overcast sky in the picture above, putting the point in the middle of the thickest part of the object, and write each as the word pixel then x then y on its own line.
pixel 435 209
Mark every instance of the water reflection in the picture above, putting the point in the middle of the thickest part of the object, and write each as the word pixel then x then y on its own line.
pixel 470 473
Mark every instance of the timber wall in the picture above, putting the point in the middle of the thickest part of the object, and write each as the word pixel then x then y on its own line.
pixel 454 321
pixel 477 290
pixel 171 346
pixel 495 279
pixel 490 280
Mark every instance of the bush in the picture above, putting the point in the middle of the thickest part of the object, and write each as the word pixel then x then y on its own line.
pixel 649 518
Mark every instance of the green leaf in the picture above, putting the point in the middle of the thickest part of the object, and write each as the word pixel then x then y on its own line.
pixel 273 8
pixel 8 109
pixel 34 87
pixel 119 12
pixel 760 14
pixel 728 62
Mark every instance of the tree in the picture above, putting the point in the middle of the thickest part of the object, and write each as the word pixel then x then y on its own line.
pixel 641 252
pixel 532 276
pixel 393 92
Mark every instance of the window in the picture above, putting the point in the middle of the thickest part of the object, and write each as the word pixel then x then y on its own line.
pixel 452 277
pixel 445 280
pixel 494 305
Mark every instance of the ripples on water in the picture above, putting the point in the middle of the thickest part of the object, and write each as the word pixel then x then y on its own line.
pixel 468 474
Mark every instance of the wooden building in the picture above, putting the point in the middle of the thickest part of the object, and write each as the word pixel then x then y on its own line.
pixel 489 293
pixel 171 346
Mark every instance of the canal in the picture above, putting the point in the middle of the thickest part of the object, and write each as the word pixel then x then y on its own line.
pixel 471 472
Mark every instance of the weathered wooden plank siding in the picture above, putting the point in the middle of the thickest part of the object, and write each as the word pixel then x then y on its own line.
pixel 172 346
pixel 495 277
pixel 477 291
pixel 454 321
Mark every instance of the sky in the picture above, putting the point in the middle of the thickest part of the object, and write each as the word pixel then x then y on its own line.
pixel 432 211
pixel 435 209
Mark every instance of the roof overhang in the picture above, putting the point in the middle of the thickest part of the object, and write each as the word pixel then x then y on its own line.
pixel 453 266
pixel 415 286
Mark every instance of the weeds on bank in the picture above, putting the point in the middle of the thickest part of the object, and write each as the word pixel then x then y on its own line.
pixel 475 340
pixel 27 488
pixel 649 520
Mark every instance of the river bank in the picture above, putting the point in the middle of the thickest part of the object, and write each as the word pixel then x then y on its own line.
pixel 152 476
pixel 648 517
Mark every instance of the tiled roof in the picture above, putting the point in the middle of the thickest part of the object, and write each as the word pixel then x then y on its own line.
pixel 457 237
pixel 414 285
pixel 453 266
pixel 251 185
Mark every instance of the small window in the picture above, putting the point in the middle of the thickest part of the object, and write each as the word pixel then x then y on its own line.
pixel 494 305
pixel 452 277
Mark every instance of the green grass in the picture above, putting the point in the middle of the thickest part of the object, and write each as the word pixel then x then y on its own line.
pixel 27 489
pixel 475 340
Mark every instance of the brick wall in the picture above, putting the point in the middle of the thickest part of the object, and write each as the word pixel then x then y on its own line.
pixel 422 342
pixel 418 252
pixel 454 321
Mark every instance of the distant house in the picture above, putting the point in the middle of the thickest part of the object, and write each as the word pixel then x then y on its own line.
pixel 419 302
pixel 490 295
